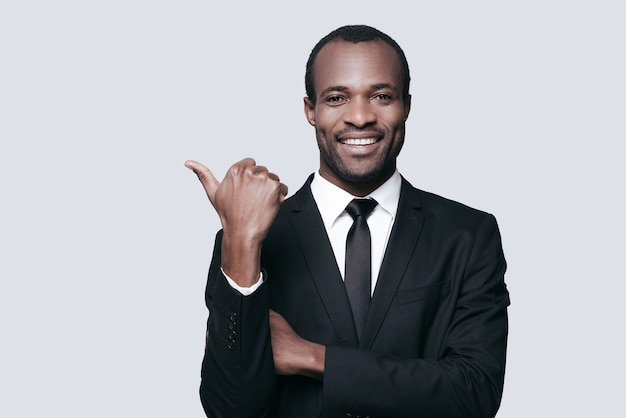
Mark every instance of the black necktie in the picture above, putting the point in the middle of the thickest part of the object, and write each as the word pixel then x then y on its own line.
pixel 358 261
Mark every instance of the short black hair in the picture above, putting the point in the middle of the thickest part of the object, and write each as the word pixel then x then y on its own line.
pixel 356 34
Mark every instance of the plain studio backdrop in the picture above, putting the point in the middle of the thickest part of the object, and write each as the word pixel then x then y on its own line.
pixel 105 238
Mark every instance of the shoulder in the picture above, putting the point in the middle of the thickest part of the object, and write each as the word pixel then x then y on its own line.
pixel 441 210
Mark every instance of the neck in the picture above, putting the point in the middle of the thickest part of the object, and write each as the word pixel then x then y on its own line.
pixel 360 188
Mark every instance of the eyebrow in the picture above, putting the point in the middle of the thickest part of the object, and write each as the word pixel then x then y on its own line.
pixel 384 86
pixel 334 88
pixel 373 86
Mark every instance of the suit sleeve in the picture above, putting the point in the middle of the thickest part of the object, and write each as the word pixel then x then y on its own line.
pixel 465 381
pixel 238 370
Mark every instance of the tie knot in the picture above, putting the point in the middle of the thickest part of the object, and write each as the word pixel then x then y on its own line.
pixel 361 207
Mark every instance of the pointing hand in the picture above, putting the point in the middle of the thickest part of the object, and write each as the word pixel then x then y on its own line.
pixel 246 201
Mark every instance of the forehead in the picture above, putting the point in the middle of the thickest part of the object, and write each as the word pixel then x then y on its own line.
pixel 347 64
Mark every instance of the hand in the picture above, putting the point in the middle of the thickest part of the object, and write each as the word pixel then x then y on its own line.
pixel 246 201
pixel 248 198
pixel 292 353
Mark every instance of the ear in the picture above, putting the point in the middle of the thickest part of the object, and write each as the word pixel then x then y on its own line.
pixel 309 111
pixel 407 107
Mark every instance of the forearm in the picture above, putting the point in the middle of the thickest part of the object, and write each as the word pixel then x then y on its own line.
pixel 237 371
pixel 241 257
pixel 293 355
pixel 367 383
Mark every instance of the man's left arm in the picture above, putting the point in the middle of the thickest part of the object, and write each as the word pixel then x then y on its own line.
pixel 467 380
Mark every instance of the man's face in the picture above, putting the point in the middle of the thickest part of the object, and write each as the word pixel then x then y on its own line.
pixel 359 114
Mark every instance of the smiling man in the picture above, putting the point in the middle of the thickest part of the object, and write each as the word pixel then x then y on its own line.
pixel 360 295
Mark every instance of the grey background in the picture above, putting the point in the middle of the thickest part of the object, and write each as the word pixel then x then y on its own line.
pixel 105 238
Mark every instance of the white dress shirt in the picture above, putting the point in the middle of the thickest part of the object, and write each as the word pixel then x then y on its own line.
pixel 331 202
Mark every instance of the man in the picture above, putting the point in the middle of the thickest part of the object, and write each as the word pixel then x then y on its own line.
pixel 299 325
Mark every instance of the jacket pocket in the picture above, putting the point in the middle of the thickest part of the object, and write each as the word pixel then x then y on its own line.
pixel 433 291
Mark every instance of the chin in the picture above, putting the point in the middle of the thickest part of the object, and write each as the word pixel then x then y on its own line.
pixel 369 176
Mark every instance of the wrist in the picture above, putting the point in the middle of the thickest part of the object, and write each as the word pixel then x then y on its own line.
pixel 241 259
pixel 314 362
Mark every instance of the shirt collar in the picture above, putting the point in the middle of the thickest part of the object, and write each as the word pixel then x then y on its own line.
pixel 332 200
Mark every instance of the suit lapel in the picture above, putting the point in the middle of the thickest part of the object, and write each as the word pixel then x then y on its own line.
pixel 309 229
pixel 402 241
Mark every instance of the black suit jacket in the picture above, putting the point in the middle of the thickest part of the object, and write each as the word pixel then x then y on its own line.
pixel 435 340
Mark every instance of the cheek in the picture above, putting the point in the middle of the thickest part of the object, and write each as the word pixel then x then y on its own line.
pixel 396 118
pixel 327 119
pixel 397 126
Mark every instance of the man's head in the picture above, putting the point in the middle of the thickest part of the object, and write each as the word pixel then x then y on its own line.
pixel 355 34
pixel 358 102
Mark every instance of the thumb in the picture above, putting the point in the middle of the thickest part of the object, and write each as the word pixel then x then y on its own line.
pixel 206 177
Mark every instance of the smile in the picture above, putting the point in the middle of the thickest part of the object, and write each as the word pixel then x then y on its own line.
pixel 358 141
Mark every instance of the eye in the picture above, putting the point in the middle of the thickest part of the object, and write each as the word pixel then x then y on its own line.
pixel 383 97
pixel 335 100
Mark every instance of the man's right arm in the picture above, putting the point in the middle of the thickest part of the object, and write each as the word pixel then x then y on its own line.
pixel 238 369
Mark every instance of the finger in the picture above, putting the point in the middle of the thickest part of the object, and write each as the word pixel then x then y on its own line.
pixel 259 169
pixel 283 192
pixel 246 162
pixel 273 176
pixel 206 177
pixel 283 189
pixel 275 316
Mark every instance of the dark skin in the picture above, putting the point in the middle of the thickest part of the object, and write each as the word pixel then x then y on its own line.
pixel 359 117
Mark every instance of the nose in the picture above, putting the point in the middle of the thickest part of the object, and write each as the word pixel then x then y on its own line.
pixel 359 112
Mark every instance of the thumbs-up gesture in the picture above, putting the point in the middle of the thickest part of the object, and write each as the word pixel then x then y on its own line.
pixel 246 201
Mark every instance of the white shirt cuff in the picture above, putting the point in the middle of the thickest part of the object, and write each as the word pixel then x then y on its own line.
pixel 245 291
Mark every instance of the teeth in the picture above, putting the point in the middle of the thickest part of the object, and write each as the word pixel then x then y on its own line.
pixel 358 141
